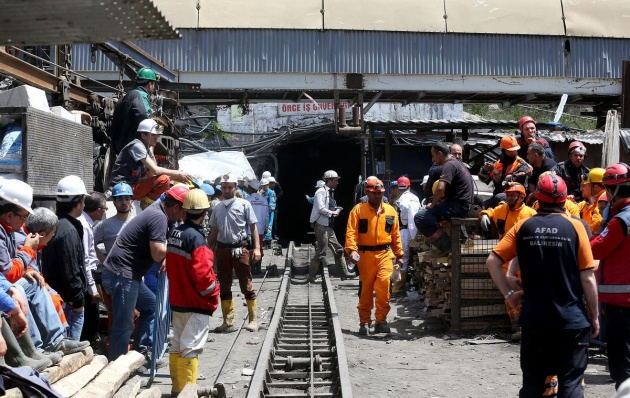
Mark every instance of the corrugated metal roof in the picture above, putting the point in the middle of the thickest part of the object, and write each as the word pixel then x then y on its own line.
pixel 45 22
pixel 373 52
pixel 624 135
pixel 595 137
pixel 432 124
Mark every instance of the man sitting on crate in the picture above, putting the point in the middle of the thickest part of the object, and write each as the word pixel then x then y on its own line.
pixel 456 187
pixel 372 242
pixel 136 165
pixel 555 324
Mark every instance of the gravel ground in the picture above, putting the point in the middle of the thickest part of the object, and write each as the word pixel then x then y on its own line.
pixel 418 359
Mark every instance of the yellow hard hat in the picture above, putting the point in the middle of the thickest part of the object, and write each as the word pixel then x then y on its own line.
pixel 196 201
pixel 434 187
pixel 596 175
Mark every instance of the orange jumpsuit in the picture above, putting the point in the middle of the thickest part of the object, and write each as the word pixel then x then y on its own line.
pixel 590 212
pixel 570 208
pixel 376 237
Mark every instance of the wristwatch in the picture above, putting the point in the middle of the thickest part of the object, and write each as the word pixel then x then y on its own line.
pixel 508 294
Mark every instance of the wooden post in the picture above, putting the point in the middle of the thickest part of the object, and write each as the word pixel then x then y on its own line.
pixel 69 364
pixel 372 154
pixel 113 376
pixel 72 383
pixel 625 94
pixel 130 388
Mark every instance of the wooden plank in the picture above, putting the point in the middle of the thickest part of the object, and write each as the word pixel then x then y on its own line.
pixel 189 391
pixel 69 364
pixel 483 310
pixel 153 392
pixel 112 377
pixel 477 283
pixel 479 294
pixel 130 388
pixel 72 383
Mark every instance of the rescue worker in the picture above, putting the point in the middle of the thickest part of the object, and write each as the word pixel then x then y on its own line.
pixel 373 242
pixel 139 245
pixel 322 220
pixel 229 222
pixel 457 151
pixel 572 170
pixel 277 188
pixel 136 165
pixel 456 188
pixel 529 135
pixel 242 187
pixel 555 326
pixel 107 231
pixel 193 290
pixel 209 191
pixel 132 109
pixel 504 217
pixel 592 190
pixel 509 168
pixel 612 248
pixel 261 210
pixel 63 259
pixel 394 193
pixel 318 184
pixel 364 198
pixel 407 206
pixel 540 162
pixel 270 195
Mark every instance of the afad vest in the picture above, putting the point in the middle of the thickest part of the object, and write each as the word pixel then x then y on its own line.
pixel 613 276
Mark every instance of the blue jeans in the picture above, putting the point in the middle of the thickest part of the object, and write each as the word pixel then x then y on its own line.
pixel 127 295
pixel 151 278
pixel 75 321
pixel 426 220
pixel 44 325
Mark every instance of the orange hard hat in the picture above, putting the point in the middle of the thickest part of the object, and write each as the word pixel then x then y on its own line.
pixel 525 119
pixel 515 187
pixel 375 185
pixel 509 143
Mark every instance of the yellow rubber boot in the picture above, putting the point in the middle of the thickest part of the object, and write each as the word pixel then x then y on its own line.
pixel 399 287
pixel 187 371
pixel 227 307
pixel 173 368
pixel 253 316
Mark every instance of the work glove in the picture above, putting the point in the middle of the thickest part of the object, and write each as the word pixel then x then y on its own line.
pixel 237 252
pixel 485 222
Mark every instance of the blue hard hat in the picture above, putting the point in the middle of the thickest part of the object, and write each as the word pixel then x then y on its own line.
pixel 393 183
pixel 207 188
pixel 218 187
pixel 122 189
pixel 207 182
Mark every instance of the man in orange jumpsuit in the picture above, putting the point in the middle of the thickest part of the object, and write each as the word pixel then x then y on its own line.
pixel 373 242
pixel 592 190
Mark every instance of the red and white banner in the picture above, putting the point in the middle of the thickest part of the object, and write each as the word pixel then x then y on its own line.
pixel 309 108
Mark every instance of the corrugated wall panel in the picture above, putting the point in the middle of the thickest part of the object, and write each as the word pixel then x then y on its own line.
pixel 235 50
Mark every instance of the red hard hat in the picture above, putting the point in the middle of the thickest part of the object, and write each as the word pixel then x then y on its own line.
pixel 525 119
pixel 515 187
pixel 403 182
pixel 576 144
pixel 509 143
pixel 178 192
pixel 618 173
pixel 551 188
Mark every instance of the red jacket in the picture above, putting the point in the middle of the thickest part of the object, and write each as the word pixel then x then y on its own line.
pixel 193 286
pixel 612 247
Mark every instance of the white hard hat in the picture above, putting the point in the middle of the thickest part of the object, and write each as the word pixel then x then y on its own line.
pixel 319 184
pixel 229 177
pixel 266 174
pixel 70 186
pixel 150 126
pixel 255 184
pixel 271 179
pixel 264 181
pixel 330 174
pixel 17 192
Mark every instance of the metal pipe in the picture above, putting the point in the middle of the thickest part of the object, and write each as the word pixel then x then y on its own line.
pixel 356 116
pixel 342 117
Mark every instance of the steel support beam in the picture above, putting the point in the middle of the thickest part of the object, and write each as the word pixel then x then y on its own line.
pixel 32 75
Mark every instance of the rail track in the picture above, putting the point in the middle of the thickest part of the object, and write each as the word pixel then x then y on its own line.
pixel 303 353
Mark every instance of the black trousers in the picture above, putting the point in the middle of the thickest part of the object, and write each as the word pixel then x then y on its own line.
pixel 554 352
pixel 618 342
pixel 91 319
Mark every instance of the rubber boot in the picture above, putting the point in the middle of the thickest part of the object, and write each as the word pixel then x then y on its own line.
pixel 28 348
pixel 15 357
pixel 399 287
pixel 342 269
pixel 227 307
pixel 173 367
pixel 253 316
pixel 443 246
pixel 187 371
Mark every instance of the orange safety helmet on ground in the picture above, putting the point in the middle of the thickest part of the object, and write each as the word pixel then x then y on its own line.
pixel 403 182
pixel 516 187
pixel 178 192
pixel 375 185
pixel 551 188
pixel 525 119
pixel 577 145
pixel 509 143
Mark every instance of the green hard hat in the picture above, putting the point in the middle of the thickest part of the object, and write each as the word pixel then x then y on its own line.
pixel 146 74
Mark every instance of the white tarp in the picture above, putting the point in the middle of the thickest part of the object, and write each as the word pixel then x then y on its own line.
pixel 210 165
